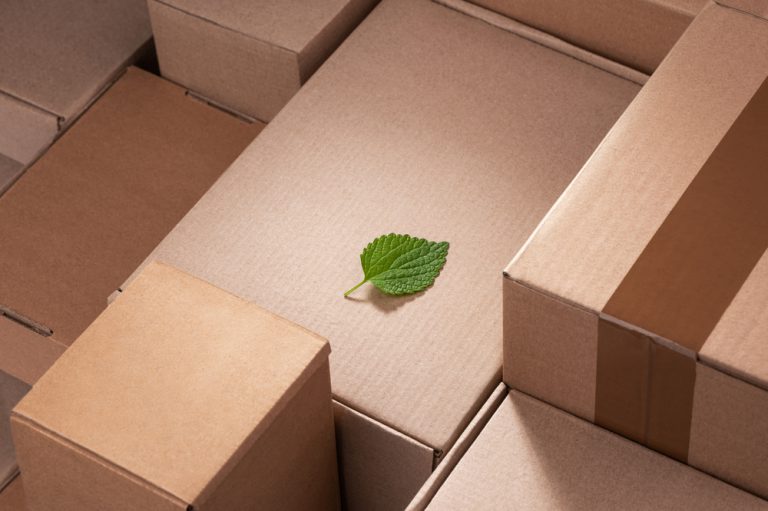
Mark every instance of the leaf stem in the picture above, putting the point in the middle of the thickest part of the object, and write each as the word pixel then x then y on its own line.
pixel 351 290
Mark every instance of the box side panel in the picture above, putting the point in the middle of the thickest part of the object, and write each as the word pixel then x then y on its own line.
pixel 11 392
pixel 729 430
pixel 637 33
pixel 24 354
pixel 247 75
pixel 449 462
pixel 25 131
pixel 10 169
pixel 550 349
pixel 292 466
pixel 381 469
pixel 59 476
pixel 12 497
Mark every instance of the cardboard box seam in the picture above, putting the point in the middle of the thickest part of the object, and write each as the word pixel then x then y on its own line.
pixel 223 27
pixel 16 99
pixel 95 458
pixel 546 40
pixel 218 106
pixel 722 4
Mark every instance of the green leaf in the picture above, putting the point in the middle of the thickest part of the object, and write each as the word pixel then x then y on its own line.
pixel 399 264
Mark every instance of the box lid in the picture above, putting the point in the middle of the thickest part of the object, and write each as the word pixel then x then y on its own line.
pixel 534 456
pixel 58 55
pixel 665 228
pixel 86 214
pixel 288 24
pixel 174 381
pixel 376 142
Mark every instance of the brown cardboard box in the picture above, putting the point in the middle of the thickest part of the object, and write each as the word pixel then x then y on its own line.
pixel 87 213
pixel 56 57
pixel 250 56
pixel 12 497
pixel 640 301
pixel 181 396
pixel 11 392
pixel 535 457
pixel 637 33
pixel 462 131
pixel 9 171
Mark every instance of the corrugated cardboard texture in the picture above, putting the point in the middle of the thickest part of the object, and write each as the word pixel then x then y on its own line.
pixel 449 462
pixel 9 170
pixel 12 497
pixel 532 456
pixel 25 131
pixel 11 391
pixel 25 354
pixel 594 235
pixel 753 7
pixel 638 33
pixel 729 428
pixel 378 142
pixel 250 56
pixel 58 55
pixel 380 467
pixel 175 384
pixel 86 214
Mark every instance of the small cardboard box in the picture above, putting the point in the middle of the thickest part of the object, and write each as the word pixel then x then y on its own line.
pixel 56 58
pixel 249 56
pixel 463 131
pixel 641 302
pixel 637 33
pixel 183 397
pixel 87 213
pixel 533 456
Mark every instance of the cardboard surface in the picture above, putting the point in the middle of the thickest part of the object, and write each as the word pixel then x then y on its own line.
pixel 186 395
pixel 637 33
pixel 533 456
pixel 9 170
pixel 657 259
pixel 25 131
pixel 367 149
pixel 86 214
pixel 250 56
pixel 12 497
pixel 11 391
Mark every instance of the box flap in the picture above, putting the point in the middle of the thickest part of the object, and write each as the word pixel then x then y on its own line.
pixel 25 131
pixel 58 55
pixel 369 147
pixel 24 353
pixel 86 214
pixel 534 456
pixel 288 24
pixel 9 171
pixel 174 381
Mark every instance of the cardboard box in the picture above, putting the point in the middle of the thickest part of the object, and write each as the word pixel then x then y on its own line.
pixel 11 392
pixel 533 456
pixel 250 56
pixel 181 396
pixel 12 497
pixel 442 136
pixel 640 301
pixel 9 171
pixel 87 213
pixel 637 33
pixel 56 58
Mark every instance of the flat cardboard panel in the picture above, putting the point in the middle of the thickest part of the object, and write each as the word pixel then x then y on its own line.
pixel 596 232
pixel 376 146
pixel 58 55
pixel 25 131
pixel 729 426
pixel 86 214
pixel 12 497
pixel 11 391
pixel 197 374
pixel 25 354
pixel 533 456
pixel 381 469
pixel 638 33
pixel 9 170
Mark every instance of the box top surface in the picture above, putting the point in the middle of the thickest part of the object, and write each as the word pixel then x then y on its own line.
pixel 671 252
pixel 58 55
pixel 85 215
pixel 174 381
pixel 289 24
pixel 539 457
pixel 375 143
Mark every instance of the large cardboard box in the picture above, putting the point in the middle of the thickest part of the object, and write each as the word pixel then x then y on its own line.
pixel 250 56
pixel 641 302
pixel 181 396
pixel 56 57
pixel 87 213
pixel 637 33
pixel 533 456
pixel 462 131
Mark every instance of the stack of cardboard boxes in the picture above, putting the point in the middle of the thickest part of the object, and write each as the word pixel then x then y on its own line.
pixel 637 302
